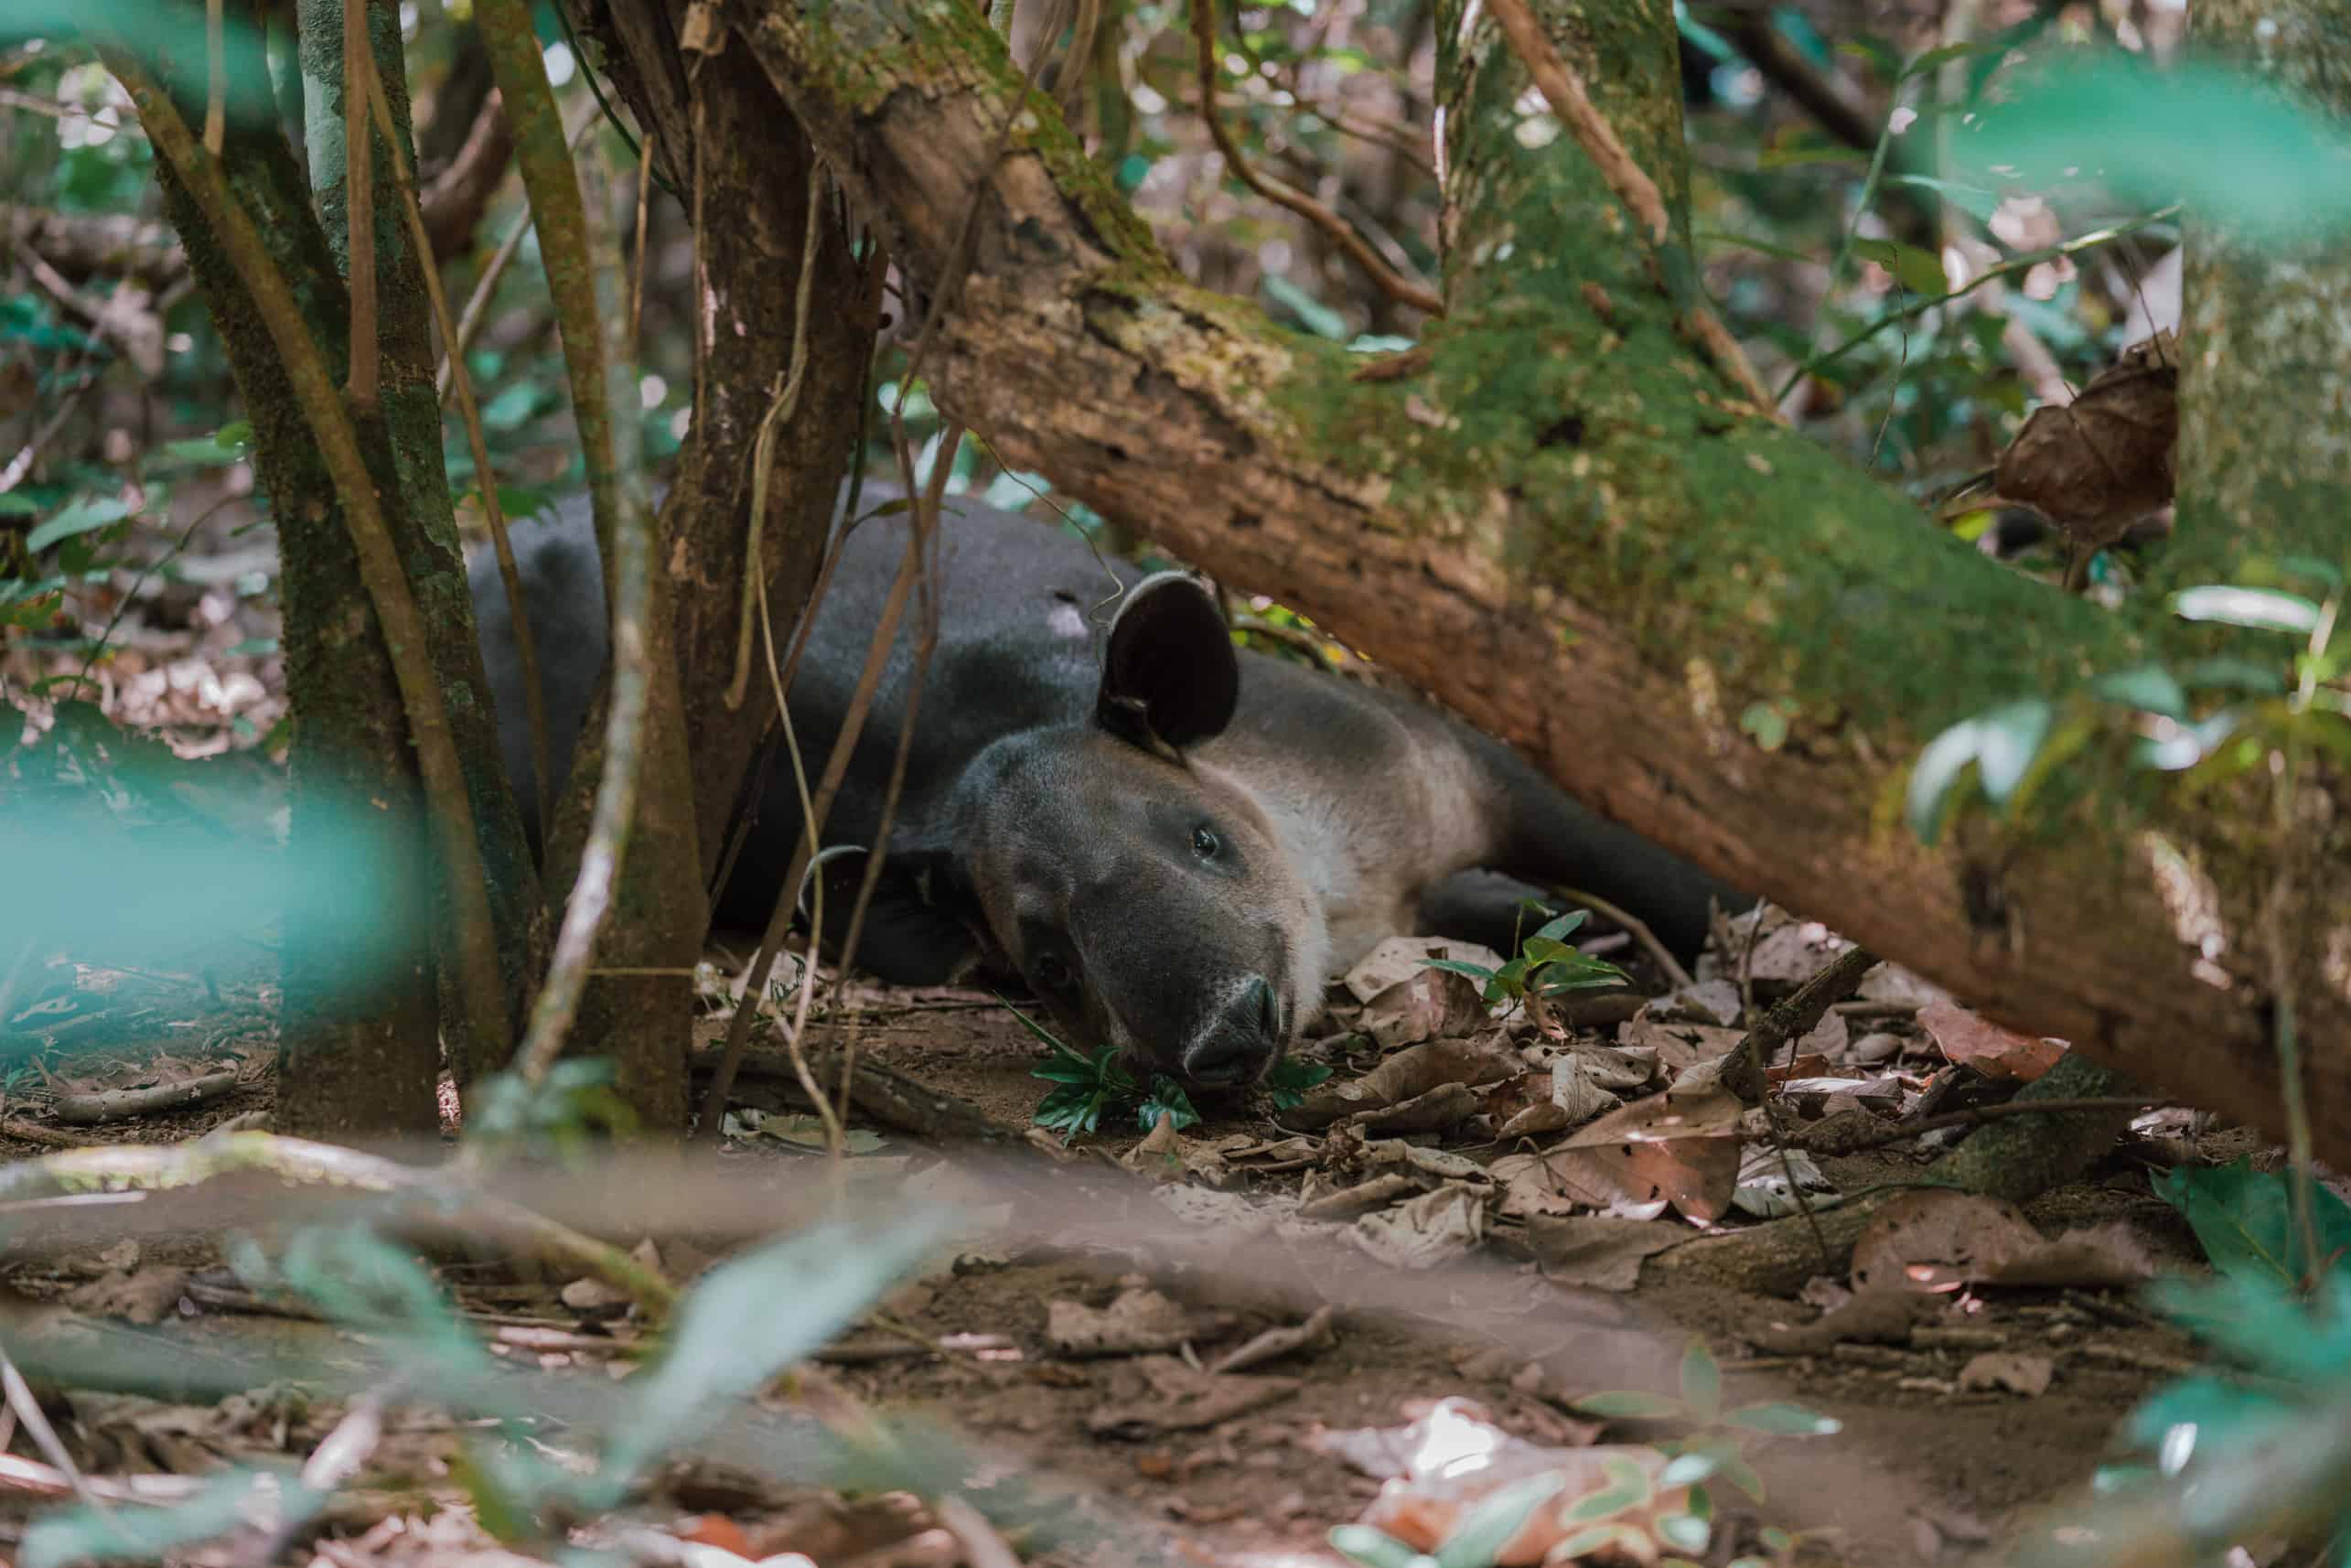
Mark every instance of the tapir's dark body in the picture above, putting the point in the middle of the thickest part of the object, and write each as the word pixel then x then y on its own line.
pixel 1174 864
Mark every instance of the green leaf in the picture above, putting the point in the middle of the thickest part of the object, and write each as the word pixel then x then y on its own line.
pixel 1687 1469
pixel 1479 1538
pixel 1376 1549
pixel 2230 144
pixel 1781 1419
pixel 756 1315
pixel 2244 1217
pixel 1075 1108
pixel 1167 1099
pixel 1565 926
pixel 146 1535
pixel 2007 740
pixel 2235 675
pixel 1702 1382
pixel 1684 1532
pixel 1935 778
pixel 1455 966
pixel 1627 1486
pixel 255 647
pixel 1312 314
pixel 2263 609
pixel 1584 1542
pixel 1629 1404
pixel 77 518
pixel 1918 271
pixel 2150 687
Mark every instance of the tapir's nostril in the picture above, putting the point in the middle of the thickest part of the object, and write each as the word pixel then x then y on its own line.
pixel 1245 1038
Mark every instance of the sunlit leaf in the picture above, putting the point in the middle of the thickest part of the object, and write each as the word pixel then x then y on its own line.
pixel 1629 1404
pixel 756 1315
pixel 1781 1419
pixel 1479 1538
pixel 2264 609
pixel 2151 687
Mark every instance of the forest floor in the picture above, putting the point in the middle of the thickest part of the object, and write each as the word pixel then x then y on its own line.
pixel 1073 1333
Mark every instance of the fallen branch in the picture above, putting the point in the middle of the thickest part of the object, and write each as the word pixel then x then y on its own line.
pixel 447 1203
pixel 123 1104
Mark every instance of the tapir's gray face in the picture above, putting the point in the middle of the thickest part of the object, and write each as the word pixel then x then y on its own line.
pixel 1150 905
pixel 1143 892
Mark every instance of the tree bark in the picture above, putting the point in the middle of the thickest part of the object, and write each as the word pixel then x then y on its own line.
pixel 752 169
pixel 430 551
pixel 1559 520
pixel 353 1057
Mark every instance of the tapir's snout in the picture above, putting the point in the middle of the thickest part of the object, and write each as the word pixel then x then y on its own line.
pixel 1241 1041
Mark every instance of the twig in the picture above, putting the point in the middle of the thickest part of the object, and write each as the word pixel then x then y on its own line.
pixel 1564 91
pixel 381 570
pixel 926 532
pixel 1800 1011
pixel 26 1132
pixel 457 196
pixel 22 462
pixel 1403 290
pixel 1975 1115
pixel 1637 927
pixel 477 309
pixel 623 531
pixel 27 1411
pixel 359 191
pixel 526 646
pixel 637 278
pixel 982 1547
pixel 123 1104
pixel 216 78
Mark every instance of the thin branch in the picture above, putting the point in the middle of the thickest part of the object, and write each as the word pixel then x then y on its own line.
pixel 216 78
pixel 405 634
pixel 1403 290
pixel 358 190
pixel 1565 91
pixel 454 203
pixel 542 154
pixel 526 646
pixel 477 309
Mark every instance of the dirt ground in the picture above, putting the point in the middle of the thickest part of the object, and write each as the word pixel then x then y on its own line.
pixel 1930 1464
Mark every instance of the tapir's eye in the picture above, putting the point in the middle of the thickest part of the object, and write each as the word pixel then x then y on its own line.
pixel 1050 972
pixel 1204 842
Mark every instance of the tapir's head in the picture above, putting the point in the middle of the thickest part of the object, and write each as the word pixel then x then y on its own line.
pixel 1143 891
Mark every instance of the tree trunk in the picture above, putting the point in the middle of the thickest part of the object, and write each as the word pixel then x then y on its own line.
pixel 1559 519
pixel 740 156
pixel 353 1059
pixel 428 544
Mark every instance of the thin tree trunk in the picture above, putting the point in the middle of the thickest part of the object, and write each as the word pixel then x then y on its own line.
pixel 428 544
pixel 358 1049
pixel 1565 523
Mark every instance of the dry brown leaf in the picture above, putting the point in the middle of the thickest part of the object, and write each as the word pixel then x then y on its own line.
pixel 1137 1321
pixel 1400 959
pixel 1938 1240
pixel 1407 1076
pixel 1598 1252
pixel 1979 1043
pixel 2099 462
pixel 1432 1004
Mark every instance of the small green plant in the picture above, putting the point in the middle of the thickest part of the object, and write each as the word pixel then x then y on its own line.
pixel 1547 965
pixel 2256 1444
pixel 1088 1086
pixel 1716 1446
pixel 1473 1543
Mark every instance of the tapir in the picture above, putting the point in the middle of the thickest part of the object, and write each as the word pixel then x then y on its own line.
pixel 1174 843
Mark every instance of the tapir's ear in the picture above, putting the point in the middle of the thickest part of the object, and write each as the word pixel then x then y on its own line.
pixel 1169 677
